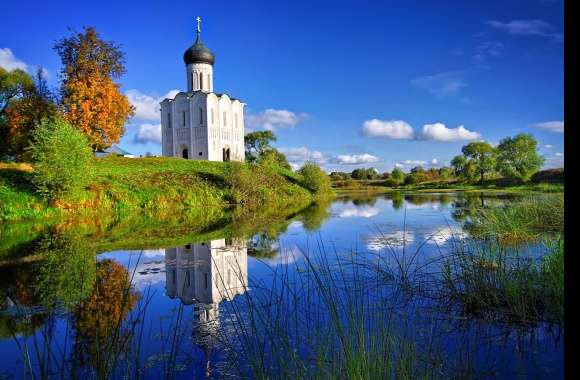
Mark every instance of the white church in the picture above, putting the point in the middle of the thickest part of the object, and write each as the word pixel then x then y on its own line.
pixel 200 124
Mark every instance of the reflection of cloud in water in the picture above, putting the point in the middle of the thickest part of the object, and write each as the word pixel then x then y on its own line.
pixel 392 239
pixel 149 272
pixel 360 212
pixel 285 256
pixel 444 235
pixel 151 253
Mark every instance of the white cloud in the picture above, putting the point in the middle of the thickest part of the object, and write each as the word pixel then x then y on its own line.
pixel 548 146
pixel 441 84
pixel 356 212
pixel 147 106
pixel 302 154
pixel 434 161
pixel 525 28
pixel 394 129
pixel 148 133
pixel 554 126
pixel 558 154
pixel 9 62
pixel 439 132
pixel 355 159
pixel 272 119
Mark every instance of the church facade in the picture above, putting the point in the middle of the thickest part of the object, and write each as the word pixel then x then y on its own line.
pixel 200 124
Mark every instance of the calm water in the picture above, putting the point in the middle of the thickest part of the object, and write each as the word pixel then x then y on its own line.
pixel 187 302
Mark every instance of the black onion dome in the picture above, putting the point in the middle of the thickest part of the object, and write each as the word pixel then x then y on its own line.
pixel 198 53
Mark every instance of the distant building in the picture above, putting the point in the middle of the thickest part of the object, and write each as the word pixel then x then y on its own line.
pixel 115 151
pixel 200 124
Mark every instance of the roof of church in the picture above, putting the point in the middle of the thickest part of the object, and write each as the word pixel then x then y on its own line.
pixel 191 93
pixel 198 52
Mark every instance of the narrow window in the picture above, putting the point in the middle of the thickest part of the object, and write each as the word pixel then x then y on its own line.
pixel 169 120
pixel 225 122
pixel 200 115
pixel 212 115
pixel 200 81
pixel 205 277
pixel 187 278
pixel 173 279
pixel 236 120
pixel 183 122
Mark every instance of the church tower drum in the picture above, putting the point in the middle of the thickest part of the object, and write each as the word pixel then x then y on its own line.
pixel 199 62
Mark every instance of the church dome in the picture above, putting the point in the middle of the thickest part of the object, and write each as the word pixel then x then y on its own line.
pixel 198 53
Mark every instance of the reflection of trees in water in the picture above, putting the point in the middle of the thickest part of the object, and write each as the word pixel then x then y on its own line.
pixel 98 320
pixel 67 270
pixel 467 205
pixel 18 300
pixel 315 214
pixel 263 246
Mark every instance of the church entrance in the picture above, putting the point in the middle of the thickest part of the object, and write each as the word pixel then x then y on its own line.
pixel 226 154
pixel 184 154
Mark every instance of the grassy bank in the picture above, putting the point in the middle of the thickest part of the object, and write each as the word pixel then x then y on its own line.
pixel 154 185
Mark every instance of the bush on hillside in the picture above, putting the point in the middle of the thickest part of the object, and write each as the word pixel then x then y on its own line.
pixel 314 178
pixel 62 159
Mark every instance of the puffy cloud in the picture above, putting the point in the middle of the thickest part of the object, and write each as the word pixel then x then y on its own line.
pixel 355 159
pixel 441 84
pixel 394 129
pixel 148 133
pixel 553 126
pixel 302 154
pixel 439 132
pixel 548 146
pixel 411 163
pixel 272 119
pixel 525 28
pixel 9 62
pixel 147 106
pixel 434 161
pixel 392 239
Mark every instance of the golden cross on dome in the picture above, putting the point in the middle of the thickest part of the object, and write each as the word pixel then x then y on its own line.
pixel 198 20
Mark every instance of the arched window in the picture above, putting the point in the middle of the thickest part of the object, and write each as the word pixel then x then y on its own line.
pixel 169 120
pixel 200 115
pixel 225 120
pixel 212 115
pixel 183 121
pixel 200 81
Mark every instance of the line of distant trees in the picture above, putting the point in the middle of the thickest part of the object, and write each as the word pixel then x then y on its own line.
pixel 513 158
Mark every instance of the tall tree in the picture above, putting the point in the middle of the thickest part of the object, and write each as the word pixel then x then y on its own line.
pixel 518 156
pixel 91 100
pixel 13 86
pixel 482 155
pixel 25 113
pixel 257 144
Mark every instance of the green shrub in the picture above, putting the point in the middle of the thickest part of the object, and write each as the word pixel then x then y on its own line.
pixel 415 178
pixel 314 178
pixel 62 159
pixel 392 182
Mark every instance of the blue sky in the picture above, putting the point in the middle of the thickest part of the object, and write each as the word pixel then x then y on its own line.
pixel 350 84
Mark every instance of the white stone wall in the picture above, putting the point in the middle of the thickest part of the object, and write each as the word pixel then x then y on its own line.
pixel 203 124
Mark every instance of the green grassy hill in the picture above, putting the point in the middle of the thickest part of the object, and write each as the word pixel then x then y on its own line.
pixel 155 185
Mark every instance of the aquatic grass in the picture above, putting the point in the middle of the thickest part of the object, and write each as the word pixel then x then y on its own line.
pixel 351 332
pixel 522 220
pixel 490 281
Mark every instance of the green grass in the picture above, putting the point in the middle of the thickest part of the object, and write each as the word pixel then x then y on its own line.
pixel 523 220
pixel 496 283
pixel 154 185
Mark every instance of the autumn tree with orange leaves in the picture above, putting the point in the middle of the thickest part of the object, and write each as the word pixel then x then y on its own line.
pixel 90 98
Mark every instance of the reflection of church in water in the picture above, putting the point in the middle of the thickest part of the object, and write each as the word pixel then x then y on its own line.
pixel 204 274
